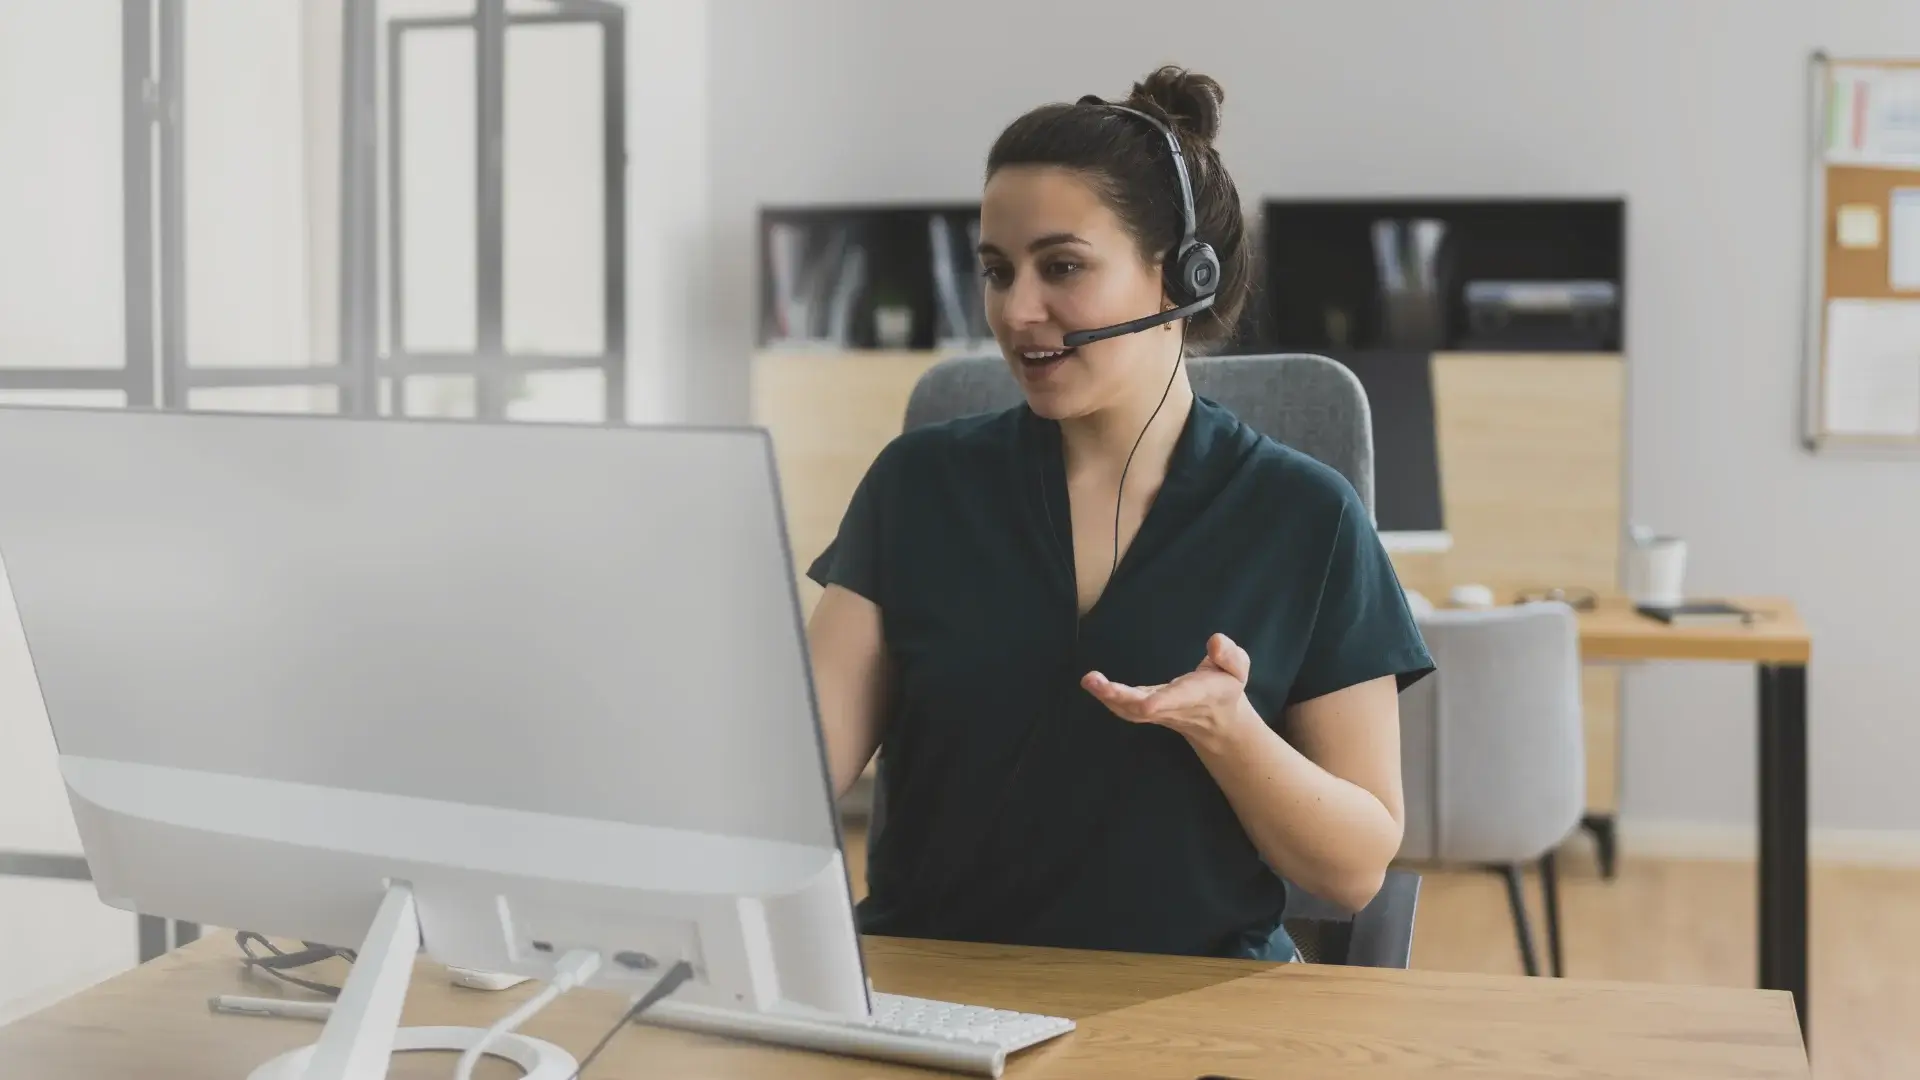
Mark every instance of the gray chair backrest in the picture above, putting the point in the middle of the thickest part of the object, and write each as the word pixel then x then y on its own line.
pixel 1311 403
pixel 1493 757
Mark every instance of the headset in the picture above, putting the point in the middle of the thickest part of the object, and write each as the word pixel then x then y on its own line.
pixel 1191 269
pixel 1191 276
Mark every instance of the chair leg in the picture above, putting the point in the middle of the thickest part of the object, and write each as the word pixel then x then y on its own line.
pixel 1605 841
pixel 1516 898
pixel 1550 892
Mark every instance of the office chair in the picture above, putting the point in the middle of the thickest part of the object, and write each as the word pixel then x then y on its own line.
pixel 1316 406
pixel 1310 403
pixel 1492 752
pixel 1378 935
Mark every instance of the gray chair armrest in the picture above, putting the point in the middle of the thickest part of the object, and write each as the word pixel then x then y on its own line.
pixel 1383 931
pixel 1379 935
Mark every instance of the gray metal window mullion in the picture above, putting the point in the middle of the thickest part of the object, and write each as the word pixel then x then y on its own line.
pixel 396 248
pixel 613 76
pixel 359 207
pixel 76 379
pixel 490 52
pixel 268 376
pixel 136 197
pixel 173 252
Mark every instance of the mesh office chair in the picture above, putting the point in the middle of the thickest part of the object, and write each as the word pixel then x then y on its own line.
pixel 1317 407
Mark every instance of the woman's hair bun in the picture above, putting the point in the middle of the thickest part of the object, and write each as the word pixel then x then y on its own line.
pixel 1190 100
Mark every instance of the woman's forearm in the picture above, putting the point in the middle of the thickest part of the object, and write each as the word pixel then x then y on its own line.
pixel 1332 837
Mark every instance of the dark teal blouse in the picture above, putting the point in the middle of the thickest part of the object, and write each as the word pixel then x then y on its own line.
pixel 1019 809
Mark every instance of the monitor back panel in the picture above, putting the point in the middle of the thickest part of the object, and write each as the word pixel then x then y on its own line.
pixel 597 622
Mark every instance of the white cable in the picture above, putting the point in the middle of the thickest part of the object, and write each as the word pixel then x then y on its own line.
pixel 573 969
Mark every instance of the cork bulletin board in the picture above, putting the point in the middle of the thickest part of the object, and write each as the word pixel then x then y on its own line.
pixel 1862 363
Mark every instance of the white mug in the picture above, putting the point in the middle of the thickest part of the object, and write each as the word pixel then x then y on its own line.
pixel 1656 571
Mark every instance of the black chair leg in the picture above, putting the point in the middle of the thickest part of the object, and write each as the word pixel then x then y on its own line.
pixel 1516 898
pixel 1605 841
pixel 1550 892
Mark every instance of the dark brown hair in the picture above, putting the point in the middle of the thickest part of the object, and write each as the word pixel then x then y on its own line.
pixel 1128 164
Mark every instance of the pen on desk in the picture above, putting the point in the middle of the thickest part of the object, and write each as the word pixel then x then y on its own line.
pixel 253 1006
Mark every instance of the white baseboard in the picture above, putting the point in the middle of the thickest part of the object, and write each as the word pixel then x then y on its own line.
pixel 1696 840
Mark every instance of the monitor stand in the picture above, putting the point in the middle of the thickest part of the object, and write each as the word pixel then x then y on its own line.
pixel 363 1031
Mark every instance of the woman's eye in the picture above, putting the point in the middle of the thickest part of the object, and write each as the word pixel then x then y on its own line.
pixel 1060 268
pixel 995 275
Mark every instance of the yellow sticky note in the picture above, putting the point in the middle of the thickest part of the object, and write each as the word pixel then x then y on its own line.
pixel 1859 225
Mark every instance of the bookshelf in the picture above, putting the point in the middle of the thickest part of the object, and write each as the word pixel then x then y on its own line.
pixel 1463 275
pixel 892 277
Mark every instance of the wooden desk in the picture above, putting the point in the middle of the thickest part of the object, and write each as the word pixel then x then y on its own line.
pixel 1779 646
pixel 1146 1017
pixel 1614 632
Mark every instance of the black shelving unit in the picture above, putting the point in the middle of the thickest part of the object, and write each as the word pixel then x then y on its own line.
pixel 898 249
pixel 1323 284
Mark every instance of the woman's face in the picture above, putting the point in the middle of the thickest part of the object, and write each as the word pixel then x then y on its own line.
pixel 1057 259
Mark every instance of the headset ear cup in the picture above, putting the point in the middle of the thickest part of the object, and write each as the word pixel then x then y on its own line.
pixel 1197 275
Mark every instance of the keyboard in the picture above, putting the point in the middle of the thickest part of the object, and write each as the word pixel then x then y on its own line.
pixel 914 1031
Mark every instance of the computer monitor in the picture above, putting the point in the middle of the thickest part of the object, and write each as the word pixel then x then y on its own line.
pixel 495 691
pixel 1407 495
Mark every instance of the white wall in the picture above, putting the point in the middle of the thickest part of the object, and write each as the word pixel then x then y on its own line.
pixel 1694 111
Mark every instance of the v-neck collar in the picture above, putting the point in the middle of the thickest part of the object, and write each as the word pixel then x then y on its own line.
pixel 1182 492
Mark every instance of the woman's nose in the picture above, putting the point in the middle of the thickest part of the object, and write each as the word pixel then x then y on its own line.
pixel 1026 302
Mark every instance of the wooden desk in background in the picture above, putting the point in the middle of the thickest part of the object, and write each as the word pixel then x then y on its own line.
pixel 1145 1017
pixel 1778 646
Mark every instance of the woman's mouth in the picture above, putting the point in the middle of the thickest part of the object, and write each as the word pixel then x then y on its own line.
pixel 1040 360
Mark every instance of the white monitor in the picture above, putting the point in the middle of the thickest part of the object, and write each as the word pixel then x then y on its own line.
pixel 495 691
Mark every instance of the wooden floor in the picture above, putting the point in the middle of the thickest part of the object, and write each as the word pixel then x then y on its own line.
pixel 1693 922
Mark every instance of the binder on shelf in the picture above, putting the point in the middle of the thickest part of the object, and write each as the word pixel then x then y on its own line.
pixel 1861 362
pixel 872 276
pixel 948 282
pixel 813 288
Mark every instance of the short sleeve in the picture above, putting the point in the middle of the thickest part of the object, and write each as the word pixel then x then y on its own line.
pixel 1363 627
pixel 852 559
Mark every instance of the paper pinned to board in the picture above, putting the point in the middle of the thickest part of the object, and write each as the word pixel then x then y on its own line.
pixel 1858 225
pixel 1903 240
pixel 1873 115
pixel 1873 368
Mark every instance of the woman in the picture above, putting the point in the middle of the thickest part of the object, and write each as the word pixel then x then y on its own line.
pixel 1130 661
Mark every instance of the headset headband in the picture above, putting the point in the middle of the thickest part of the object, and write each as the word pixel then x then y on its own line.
pixel 1189 224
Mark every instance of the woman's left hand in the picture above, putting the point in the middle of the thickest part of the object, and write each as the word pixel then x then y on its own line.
pixel 1207 705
